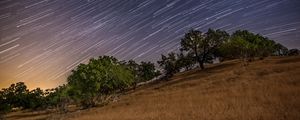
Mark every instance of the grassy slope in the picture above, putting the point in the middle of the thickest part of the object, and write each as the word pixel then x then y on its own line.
pixel 264 90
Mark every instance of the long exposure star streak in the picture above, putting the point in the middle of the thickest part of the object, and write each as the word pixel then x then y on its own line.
pixel 43 40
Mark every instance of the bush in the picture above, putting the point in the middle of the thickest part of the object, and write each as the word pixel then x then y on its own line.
pixel 4 105
pixel 293 52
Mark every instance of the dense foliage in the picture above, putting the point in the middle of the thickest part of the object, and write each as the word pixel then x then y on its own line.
pixel 87 85
pixel 142 72
pixel 247 46
pixel 99 77
pixel 18 96
pixel 203 48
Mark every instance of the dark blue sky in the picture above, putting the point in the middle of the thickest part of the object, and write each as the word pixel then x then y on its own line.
pixel 42 40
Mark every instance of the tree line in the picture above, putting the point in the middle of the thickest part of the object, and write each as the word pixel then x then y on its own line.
pixel 88 85
pixel 98 81
pixel 201 48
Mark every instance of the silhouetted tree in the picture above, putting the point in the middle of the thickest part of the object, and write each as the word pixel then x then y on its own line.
pixel 147 71
pixel 168 63
pixel 142 72
pixel 281 50
pixel 203 46
pixel 293 52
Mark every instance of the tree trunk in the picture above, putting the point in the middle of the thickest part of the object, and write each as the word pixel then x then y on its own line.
pixel 200 61
pixel 201 65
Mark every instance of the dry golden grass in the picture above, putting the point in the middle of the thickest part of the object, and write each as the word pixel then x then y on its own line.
pixel 265 90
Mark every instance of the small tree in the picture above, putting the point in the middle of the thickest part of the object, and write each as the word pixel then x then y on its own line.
pixel 147 71
pixel 142 72
pixel 168 63
pixel 58 97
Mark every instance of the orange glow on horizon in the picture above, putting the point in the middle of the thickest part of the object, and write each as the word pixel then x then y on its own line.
pixel 33 84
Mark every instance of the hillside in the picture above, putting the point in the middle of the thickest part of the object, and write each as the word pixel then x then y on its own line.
pixel 266 90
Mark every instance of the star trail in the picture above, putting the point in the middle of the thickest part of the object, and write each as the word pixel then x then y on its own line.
pixel 43 40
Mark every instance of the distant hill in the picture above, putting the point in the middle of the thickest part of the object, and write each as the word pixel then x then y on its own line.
pixel 265 89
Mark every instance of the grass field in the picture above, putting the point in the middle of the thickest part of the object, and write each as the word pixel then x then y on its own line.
pixel 265 90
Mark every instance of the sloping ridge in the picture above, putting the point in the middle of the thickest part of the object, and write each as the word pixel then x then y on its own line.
pixel 265 89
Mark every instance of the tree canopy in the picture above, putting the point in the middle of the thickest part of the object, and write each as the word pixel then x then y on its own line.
pixel 101 76
pixel 203 45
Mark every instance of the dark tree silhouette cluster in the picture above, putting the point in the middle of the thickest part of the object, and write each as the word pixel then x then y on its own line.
pixel 203 48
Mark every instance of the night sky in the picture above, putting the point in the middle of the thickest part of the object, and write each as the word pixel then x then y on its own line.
pixel 41 41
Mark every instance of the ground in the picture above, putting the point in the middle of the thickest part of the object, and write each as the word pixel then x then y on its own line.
pixel 264 90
